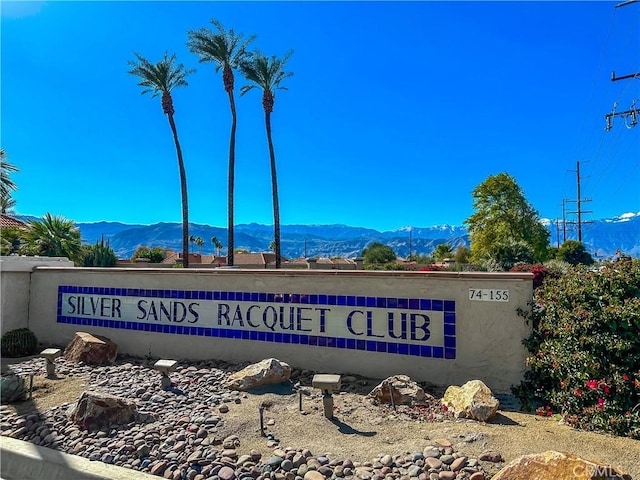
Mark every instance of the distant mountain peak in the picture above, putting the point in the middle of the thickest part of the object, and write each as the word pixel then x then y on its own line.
pixel 625 217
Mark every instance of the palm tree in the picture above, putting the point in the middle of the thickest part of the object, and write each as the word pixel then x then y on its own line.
pixel 6 184
pixel 54 236
pixel 161 79
pixel 6 205
pixel 268 74
pixel 226 50
pixel 217 244
pixel 192 239
pixel 199 242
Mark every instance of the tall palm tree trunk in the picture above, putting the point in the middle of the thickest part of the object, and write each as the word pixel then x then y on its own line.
pixel 183 189
pixel 232 167
pixel 274 189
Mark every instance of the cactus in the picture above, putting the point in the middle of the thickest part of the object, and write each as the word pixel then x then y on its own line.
pixel 18 343
pixel 100 255
pixel 12 389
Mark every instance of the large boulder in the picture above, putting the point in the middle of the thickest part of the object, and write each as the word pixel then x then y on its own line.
pixel 270 371
pixel 95 410
pixel 91 349
pixel 553 465
pixel 404 390
pixel 472 400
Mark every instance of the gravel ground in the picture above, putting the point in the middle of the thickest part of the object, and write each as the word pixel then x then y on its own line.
pixel 209 432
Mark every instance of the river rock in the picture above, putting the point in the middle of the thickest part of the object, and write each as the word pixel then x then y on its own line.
pixel 91 349
pixel 472 400
pixel 552 465
pixel 270 371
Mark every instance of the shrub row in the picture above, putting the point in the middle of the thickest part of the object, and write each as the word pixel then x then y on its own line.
pixel 584 348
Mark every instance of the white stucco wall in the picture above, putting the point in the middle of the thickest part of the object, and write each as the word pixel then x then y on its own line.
pixel 486 335
pixel 15 280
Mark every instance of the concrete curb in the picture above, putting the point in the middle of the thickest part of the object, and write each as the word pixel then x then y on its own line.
pixel 25 461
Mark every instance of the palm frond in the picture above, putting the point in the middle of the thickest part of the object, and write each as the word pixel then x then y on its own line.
pixel 222 48
pixel 161 77
pixel 6 184
pixel 266 72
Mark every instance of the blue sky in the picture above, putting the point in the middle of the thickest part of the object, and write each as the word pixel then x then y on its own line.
pixel 396 111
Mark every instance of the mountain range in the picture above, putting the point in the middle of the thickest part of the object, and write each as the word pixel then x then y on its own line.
pixel 601 237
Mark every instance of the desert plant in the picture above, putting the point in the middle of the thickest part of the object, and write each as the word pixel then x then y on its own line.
pixel 18 343
pixel 99 255
pixel 9 237
pixel 12 388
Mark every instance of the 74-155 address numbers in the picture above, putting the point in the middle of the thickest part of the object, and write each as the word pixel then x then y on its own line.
pixel 488 295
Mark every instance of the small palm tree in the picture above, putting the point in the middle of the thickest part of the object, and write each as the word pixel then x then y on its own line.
pixel 6 184
pixel 6 205
pixel 268 74
pixel 160 79
pixel 199 242
pixel 226 50
pixel 54 236
pixel 217 244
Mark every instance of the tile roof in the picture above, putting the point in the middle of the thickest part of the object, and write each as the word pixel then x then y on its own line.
pixel 6 222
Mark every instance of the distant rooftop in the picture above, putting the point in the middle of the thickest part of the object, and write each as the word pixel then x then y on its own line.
pixel 9 222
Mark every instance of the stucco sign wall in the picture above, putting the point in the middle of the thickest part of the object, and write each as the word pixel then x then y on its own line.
pixel 421 327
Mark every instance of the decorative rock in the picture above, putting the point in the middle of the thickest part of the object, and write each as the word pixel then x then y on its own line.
pixel 458 463
pixel 226 473
pixel 313 475
pixel 491 456
pixel 433 462
pixel 267 372
pixel 231 442
pixel 446 475
pixel 96 410
pixel 473 400
pixel 448 459
pixel 477 476
pixel 405 391
pixel 91 349
pixel 159 468
pixel 552 465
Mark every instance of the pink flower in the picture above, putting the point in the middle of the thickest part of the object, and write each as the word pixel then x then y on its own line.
pixel 578 392
pixel 600 405
pixel 606 389
pixel 625 377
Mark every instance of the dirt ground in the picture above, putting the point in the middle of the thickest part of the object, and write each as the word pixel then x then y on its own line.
pixel 361 429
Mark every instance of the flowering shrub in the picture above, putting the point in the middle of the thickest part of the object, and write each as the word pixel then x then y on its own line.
pixel 432 268
pixel 540 272
pixel 584 360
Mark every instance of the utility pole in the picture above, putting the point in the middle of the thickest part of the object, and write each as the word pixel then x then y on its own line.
pixel 564 221
pixel 630 116
pixel 558 232
pixel 579 202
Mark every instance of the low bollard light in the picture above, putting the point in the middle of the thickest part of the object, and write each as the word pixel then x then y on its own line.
pixel 327 384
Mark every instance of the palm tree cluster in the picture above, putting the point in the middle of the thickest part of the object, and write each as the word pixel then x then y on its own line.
pixel 228 51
